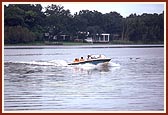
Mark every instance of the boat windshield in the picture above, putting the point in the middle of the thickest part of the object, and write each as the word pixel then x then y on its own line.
pixel 97 56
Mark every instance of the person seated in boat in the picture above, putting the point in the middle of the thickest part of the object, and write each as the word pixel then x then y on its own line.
pixel 89 57
pixel 81 59
pixel 76 60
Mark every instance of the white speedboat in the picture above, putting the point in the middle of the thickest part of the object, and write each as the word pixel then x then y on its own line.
pixel 92 59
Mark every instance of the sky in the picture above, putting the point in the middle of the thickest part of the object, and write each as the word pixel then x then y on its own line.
pixel 124 9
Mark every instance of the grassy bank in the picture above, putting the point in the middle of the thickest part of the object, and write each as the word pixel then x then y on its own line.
pixel 133 43
pixel 114 42
pixel 37 43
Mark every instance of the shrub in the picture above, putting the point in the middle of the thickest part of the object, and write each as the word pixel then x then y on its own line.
pixel 18 34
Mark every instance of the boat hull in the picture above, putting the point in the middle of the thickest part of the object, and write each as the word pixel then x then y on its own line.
pixel 93 61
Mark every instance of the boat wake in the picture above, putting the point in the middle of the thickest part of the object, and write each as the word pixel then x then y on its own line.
pixel 42 63
pixel 100 67
pixel 112 64
pixel 63 63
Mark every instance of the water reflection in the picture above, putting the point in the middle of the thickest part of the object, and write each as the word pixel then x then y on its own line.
pixel 94 69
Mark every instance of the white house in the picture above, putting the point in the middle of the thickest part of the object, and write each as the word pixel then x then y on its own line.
pixel 102 38
pixel 98 38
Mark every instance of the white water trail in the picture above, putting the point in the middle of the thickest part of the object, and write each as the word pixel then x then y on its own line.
pixel 89 66
pixel 63 63
pixel 43 63
pixel 112 64
pixel 59 62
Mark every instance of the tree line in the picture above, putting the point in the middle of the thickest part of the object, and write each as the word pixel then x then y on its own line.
pixel 25 23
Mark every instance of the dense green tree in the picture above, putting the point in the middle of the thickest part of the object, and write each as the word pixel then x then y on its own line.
pixel 27 22
pixel 145 28
pixel 58 20
pixel 13 16
pixel 27 16
pixel 112 23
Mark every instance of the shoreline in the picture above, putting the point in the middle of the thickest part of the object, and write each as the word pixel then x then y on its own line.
pixel 82 46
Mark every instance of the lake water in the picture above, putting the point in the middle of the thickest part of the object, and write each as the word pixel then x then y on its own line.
pixel 38 78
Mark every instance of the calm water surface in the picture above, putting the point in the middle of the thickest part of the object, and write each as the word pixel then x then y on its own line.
pixel 40 79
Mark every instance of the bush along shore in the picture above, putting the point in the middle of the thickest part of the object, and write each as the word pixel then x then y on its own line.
pixel 40 43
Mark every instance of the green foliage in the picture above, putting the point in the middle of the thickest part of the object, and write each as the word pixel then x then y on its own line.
pixel 27 23
pixel 13 16
pixel 23 23
pixel 147 28
pixel 18 34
